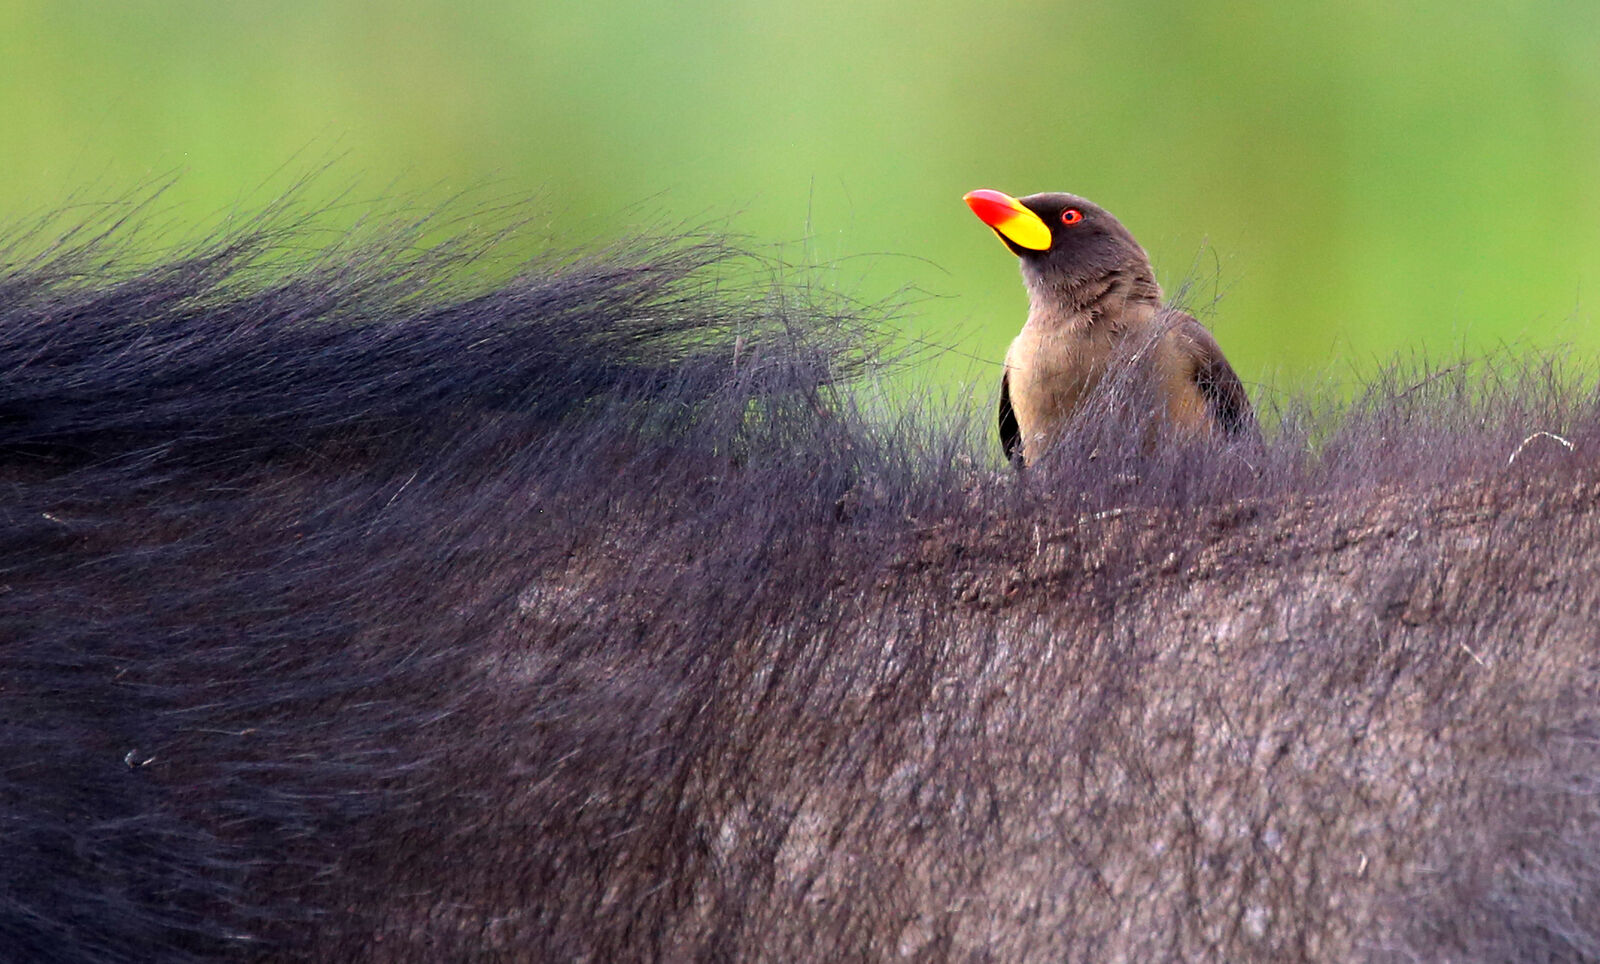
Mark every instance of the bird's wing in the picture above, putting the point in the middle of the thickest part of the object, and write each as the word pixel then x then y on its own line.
pixel 1218 383
pixel 1010 433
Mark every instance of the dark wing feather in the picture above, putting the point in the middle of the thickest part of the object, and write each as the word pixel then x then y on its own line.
pixel 1010 433
pixel 1218 383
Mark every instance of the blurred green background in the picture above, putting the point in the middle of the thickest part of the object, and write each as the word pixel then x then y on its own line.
pixel 1356 180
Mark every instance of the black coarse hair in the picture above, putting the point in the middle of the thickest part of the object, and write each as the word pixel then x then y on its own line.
pixel 356 606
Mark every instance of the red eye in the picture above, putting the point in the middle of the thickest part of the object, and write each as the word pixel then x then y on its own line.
pixel 1071 216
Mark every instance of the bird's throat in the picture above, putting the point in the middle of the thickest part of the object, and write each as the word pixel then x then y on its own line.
pixel 1090 302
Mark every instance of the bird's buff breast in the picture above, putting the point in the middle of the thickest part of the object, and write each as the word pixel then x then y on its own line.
pixel 1050 372
pixel 1053 371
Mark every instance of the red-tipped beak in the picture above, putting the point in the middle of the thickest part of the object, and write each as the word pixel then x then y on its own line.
pixel 1009 219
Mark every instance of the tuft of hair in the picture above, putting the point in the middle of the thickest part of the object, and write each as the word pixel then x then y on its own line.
pixel 358 610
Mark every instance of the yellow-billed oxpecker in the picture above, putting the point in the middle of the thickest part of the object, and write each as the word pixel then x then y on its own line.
pixel 1092 300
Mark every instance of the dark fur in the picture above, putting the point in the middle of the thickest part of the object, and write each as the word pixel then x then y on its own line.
pixel 350 615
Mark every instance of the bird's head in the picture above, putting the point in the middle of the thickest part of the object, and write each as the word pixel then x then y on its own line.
pixel 1066 244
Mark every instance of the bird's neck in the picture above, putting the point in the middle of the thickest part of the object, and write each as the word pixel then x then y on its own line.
pixel 1105 299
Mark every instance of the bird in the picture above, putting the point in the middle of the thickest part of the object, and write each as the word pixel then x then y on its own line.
pixel 1093 300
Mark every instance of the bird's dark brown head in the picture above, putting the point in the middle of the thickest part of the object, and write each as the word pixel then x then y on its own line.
pixel 1067 245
